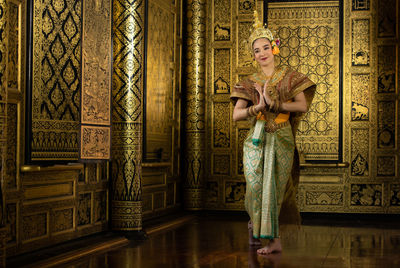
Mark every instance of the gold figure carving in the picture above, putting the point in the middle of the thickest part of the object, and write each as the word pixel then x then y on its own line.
pixel 96 62
pixel 361 42
pixel 360 102
pixel 95 142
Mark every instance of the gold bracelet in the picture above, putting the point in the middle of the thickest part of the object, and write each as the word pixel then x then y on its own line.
pixel 253 111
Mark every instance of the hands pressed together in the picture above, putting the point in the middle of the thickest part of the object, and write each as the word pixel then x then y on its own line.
pixel 264 98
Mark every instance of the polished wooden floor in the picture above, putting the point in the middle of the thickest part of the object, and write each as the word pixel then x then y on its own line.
pixel 221 241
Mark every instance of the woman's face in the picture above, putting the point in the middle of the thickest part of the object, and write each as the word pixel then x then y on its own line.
pixel 263 52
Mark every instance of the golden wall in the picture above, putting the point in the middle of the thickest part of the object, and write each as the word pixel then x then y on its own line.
pixel 349 139
pixel 48 205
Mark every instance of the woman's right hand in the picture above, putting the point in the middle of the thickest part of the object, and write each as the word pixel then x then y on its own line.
pixel 261 103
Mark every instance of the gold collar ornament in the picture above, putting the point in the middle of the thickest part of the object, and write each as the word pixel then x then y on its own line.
pixel 261 31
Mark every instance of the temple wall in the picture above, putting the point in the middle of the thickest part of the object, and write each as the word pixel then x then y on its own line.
pixel 349 139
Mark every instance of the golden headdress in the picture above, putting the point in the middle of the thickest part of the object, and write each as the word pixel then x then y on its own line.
pixel 261 31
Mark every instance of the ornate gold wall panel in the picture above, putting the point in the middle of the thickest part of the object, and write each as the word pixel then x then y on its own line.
pixel 96 81
pixel 54 206
pixel 370 118
pixel 127 114
pixel 194 159
pixel 309 33
pixel 56 76
pixel 44 206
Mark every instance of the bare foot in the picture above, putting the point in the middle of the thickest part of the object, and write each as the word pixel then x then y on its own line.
pixel 252 241
pixel 273 246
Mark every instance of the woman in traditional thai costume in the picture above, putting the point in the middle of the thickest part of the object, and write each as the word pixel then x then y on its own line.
pixel 273 99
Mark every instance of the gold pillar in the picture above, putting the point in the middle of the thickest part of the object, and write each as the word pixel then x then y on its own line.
pixel 127 114
pixel 195 104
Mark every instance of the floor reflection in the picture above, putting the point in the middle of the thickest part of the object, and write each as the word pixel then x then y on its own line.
pixel 222 242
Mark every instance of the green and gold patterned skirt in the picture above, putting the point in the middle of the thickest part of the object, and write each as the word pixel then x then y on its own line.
pixel 267 169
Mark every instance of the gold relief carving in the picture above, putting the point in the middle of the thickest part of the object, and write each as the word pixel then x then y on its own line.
pixel 245 59
pixel 100 206
pixel 386 69
pixel 386 166
pixel 395 194
pixel 160 83
pixel 246 6
pixel 84 209
pixel 387 18
pixel 386 124
pixel 235 192
pixel 359 152
pixel 221 165
pixel 360 102
pixel 309 44
pixel 95 142
pixel 55 80
pixel 96 62
pixel 221 125
pixel 11 219
pixel 13 45
pixel 222 20
pixel 242 134
pixel 366 195
pixel 63 220
pixel 127 215
pixel 34 226
pixel 222 74
pixel 324 198
pixel 360 53
pixel 212 192
pixel 12 173
pixel 360 5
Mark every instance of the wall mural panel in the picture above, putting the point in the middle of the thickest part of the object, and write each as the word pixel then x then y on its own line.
pixel 360 152
pixel 360 36
pixel 56 77
pixel 222 73
pixel 360 97
pixel 95 140
pixel 222 123
pixel 386 69
pixel 387 18
pixel 386 124
pixel 222 20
